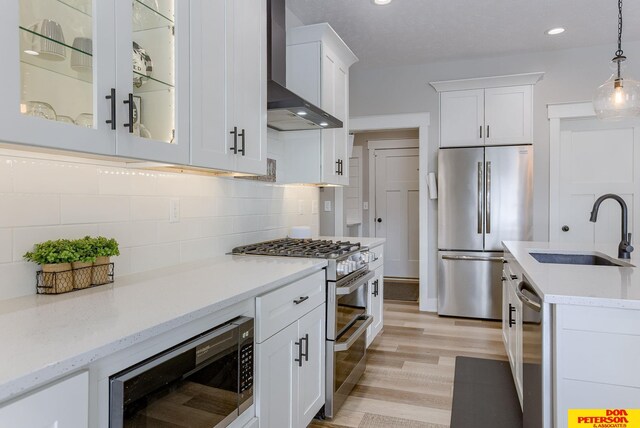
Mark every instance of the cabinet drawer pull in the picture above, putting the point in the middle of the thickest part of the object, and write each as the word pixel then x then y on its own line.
pixel 305 354
pixel 514 277
pixel 241 135
pixel 300 300
pixel 129 101
pixel 512 321
pixel 235 140
pixel 112 97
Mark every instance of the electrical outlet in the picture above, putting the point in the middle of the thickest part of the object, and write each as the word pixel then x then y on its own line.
pixel 174 210
pixel 365 205
pixel 327 206
pixel 315 207
pixel 300 206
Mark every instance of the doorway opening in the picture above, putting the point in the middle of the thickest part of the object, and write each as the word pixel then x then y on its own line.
pixel 382 200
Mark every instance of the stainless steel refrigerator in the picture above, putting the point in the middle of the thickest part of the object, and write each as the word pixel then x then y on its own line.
pixel 484 197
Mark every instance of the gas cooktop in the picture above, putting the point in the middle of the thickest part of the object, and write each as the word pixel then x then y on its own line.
pixel 292 247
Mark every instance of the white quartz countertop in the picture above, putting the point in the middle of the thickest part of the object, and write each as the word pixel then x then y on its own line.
pixel 604 286
pixel 365 242
pixel 43 337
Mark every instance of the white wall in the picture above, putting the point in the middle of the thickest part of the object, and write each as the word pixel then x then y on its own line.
pixel 570 75
pixel 46 197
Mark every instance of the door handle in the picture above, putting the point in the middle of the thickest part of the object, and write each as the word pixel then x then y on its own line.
pixel 241 135
pixel 112 97
pixel 488 197
pixel 565 228
pixel 512 310
pixel 474 258
pixel 480 199
pixel 235 140
pixel 379 220
pixel 129 101
pixel 368 320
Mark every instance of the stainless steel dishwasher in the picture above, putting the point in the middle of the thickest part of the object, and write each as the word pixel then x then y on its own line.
pixel 533 362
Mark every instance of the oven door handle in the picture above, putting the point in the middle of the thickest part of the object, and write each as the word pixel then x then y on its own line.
pixel 368 320
pixel 348 289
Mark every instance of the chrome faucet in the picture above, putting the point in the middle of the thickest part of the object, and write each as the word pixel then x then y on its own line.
pixel 624 248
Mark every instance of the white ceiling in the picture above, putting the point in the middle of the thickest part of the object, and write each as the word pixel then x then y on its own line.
pixel 423 31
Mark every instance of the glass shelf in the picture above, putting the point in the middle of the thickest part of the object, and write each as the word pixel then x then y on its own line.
pixel 82 6
pixel 147 17
pixel 151 84
pixel 31 41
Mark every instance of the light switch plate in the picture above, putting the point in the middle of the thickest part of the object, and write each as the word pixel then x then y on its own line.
pixel 174 210
pixel 315 207
pixel 365 205
pixel 327 206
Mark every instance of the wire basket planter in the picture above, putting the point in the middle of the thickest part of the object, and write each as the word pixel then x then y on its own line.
pixel 69 280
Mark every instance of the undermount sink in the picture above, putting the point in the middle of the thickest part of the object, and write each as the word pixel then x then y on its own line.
pixel 590 259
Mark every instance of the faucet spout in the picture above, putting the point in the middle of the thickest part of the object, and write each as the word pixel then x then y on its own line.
pixel 624 248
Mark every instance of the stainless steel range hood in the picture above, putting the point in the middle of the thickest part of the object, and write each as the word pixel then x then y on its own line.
pixel 287 111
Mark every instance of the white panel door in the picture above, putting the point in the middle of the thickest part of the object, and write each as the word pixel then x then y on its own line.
pixel 507 115
pixel 311 387
pixel 396 205
pixel 595 158
pixel 277 379
pixel 462 118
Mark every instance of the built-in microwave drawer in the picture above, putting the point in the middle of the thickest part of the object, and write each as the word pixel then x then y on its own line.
pixel 279 308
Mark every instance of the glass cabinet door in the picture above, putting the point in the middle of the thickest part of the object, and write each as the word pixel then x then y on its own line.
pixel 58 69
pixel 153 60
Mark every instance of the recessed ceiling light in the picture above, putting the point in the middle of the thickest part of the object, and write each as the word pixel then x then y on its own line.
pixel 324 124
pixel 380 2
pixel 301 113
pixel 30 52
pixel 554 31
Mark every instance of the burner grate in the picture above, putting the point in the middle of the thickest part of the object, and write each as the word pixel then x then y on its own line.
pixel 292 247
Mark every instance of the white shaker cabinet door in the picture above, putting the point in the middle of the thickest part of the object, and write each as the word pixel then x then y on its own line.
pixel 277 379
pixel 508 115
pixel 311 388
pixel 462 118
pixel 63 405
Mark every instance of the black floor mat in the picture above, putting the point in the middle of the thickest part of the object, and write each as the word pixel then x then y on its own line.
pixel 484 395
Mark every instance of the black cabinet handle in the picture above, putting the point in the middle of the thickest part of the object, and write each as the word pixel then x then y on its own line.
pixel 112 97
pixel 241 135
pixel 376 290
pixel 514 277
pixel 338 167
pixel 235 140
pixel 305 354
pixel 487 131
pixel 300 300
pixel 129 101
pixel 480 131
pixel 504 278
pixel 300 354
pixel 512 309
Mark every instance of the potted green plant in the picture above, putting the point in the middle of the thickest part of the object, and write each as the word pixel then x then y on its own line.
pixel 82 267
pixel 55 258
pixel 104 249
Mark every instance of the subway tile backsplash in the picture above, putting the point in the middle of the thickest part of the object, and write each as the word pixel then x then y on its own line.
pixel 48 198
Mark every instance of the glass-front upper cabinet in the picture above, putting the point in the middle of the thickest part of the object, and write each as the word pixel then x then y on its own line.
pixel 57 72
pixel 153 79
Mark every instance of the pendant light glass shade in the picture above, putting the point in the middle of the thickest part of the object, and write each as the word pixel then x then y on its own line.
pixel 619 97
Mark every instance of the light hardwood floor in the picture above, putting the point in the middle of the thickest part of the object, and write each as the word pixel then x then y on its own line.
pixel 409 378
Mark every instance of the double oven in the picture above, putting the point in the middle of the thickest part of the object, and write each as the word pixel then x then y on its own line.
pixel 347 322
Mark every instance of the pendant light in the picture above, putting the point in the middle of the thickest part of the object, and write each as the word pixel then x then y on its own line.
pixel 618 97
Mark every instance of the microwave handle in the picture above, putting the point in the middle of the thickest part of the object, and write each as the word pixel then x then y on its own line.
pixel 340 347
pixel 348 289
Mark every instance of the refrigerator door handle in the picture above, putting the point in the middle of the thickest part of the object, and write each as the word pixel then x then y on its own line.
pixel 474 258
pixel 488 196
pixel 480 199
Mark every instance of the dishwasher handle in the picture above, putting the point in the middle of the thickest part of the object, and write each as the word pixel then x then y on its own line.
pixel 533 304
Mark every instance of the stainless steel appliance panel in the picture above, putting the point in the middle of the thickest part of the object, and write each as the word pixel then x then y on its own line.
pixel 461 199
pixel 532 367
pixel 470 284
pixel 508 195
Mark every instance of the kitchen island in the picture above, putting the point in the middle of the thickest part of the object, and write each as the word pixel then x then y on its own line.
pixel 590 328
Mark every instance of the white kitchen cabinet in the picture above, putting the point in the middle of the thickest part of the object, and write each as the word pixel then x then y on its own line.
pixel 375 305
pixel 512 325
pixel 492 116
pixel 79 88
pixel 62 405
pixel 291 373
pixel 318 64
pixel 228 81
